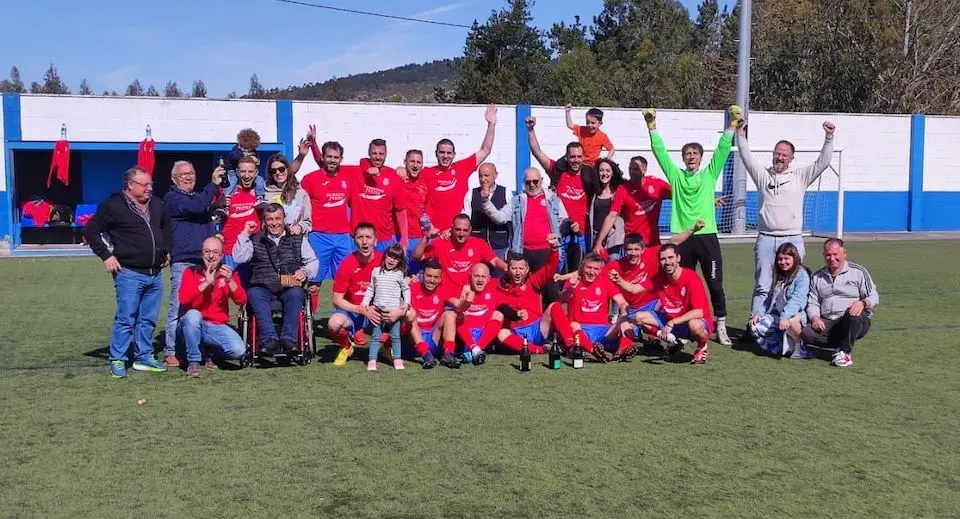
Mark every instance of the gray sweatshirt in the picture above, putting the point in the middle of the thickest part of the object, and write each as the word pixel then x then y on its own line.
pixel 388 289
pixel 830 295
pixel 781 194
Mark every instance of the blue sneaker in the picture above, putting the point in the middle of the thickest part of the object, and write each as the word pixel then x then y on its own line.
pixel 118 369
pixel 467 355
pixel 149 364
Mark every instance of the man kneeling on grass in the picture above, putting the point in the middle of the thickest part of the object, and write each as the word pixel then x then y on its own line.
pixel 840 305
pixel 205 293
pixel 684 308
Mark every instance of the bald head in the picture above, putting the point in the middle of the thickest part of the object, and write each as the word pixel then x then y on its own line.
pixel 212 252
pixel 487 174
pixel 479 276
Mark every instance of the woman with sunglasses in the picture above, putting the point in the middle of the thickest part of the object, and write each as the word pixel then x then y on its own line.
pixel 283 188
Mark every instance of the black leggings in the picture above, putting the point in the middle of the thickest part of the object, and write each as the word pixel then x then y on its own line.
pixel 705 250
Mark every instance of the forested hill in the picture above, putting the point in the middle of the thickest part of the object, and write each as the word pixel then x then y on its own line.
pixel 424 83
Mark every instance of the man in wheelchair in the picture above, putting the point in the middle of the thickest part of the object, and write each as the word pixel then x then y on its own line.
pixel 281 263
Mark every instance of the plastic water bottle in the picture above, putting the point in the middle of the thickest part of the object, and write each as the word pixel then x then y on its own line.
pixel 425 223
pixel 525 359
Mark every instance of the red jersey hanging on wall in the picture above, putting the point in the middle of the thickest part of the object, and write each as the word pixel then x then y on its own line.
pixel 60 162
pixel 145 157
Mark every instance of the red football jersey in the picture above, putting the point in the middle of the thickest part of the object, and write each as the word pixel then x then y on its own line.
pixel 428 306
pixel 415 195
pixel 590 303
pixel 571 191
pixel 352 277
pixel 482 307
pixel 640 207
pixel 448 188
pixel 680 296
pixel 375 199
pixel 637 274
pixel 242 209
pixel 329 199
pixel 457 262
pixel 527 295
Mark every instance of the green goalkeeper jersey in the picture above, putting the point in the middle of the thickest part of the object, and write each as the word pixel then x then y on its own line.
pixel 693 192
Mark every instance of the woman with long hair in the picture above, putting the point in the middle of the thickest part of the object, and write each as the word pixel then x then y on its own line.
pixel 776 325
pixel 282 187
pixel 609 178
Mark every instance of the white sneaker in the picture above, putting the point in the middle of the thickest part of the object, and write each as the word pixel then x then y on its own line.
pixel 842 360
pixel 722 336
pixel 371 365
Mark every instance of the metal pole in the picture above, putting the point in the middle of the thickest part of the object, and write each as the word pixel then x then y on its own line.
pixel 739 201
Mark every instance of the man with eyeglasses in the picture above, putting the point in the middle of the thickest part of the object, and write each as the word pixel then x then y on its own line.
pixel 138 249
pixel 535 214
pixel 191 224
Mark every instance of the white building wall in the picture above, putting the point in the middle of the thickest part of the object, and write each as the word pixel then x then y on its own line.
pixel 875 148
pixel 409 126
pixel 121 119
pixel 941 170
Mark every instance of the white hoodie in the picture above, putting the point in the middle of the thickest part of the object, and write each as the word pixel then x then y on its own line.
pixel 781 194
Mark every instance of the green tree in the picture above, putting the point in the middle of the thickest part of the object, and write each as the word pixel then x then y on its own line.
pixel 134 89
pixel 565 39
pixel 85 89
pixel 152 91
pixel 256 90
pixel 582 81
pixel 172 90
pixel 52 84
pixel 505 60
pixel 14 84
pixel 199 89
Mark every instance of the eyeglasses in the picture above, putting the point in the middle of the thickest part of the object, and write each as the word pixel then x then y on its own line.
pixel 532 182
pixel 213 252
pixel 142 184
pixel 281 169
pixel 187 174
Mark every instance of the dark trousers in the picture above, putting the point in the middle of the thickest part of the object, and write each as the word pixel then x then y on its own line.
pixel 291 299
pixel 704 249
pixel 840 333
pixel 537 259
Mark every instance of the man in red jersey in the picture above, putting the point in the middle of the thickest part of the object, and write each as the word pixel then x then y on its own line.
pixel 377 198
pixel 458 253
pixel 349 286
pixel 415 192
pixel 241 208
pixel 588 297
pixel 329 190
pixel 638 202
pixel 423 326
pixel 520 295
pixel 684 307
pixel 475 318
pixel 449 181
pixel 638 265
pixel 574 183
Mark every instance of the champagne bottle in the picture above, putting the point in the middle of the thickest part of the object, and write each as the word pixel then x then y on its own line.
pixel 555 357
pixel 525 359
pixel 577 354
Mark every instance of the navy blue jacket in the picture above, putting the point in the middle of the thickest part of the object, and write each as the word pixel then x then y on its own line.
pixel 191 221
pixel 137 245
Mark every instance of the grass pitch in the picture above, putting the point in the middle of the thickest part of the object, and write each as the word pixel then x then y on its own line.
pixel 743 436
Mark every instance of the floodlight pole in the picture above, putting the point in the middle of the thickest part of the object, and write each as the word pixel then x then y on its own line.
pixel 739 201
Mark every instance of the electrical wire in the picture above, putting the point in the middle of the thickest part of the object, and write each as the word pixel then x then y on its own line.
pixel 368 13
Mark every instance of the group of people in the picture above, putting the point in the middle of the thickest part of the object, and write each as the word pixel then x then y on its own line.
pixel 447 273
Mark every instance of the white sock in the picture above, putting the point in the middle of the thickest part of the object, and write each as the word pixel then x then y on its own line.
pixel 476 351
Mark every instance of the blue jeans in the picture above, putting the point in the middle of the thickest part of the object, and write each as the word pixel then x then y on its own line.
pixel 138 307
pixel 291 298
pixel 394 329
pixel 765 258
pixel 195 331
pixel 170 336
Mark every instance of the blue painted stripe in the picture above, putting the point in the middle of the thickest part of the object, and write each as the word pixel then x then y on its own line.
pixel 11 117
pixel 939 211
pixel 523 143
pixel 135 146
pixel 917 129
pixel 285 127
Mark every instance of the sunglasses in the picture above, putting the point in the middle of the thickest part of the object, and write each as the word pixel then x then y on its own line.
pixel 281 169
pixel 532 182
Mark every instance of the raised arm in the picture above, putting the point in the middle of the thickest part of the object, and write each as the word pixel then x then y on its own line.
pixel 754 169
pixel 487 145
pixel 679 238
pixel 813 171
pixel 535 149
pixel 498 216
pixel 660 153
pixel 720 155
pixel 297 161
pixel 568 110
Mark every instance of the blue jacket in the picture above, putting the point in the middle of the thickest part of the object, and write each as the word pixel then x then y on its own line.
pixel 795 296
pixel 191 221
pixel 555 212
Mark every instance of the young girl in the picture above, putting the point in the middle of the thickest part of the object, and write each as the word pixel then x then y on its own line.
pixel 388 293
pixel 776 327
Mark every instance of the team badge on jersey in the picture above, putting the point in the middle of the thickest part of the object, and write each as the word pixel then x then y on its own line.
pixel 470 253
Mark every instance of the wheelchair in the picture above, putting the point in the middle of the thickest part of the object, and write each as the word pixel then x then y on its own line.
pixel 306 340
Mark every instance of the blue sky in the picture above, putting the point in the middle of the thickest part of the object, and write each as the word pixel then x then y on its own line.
pixel 223 42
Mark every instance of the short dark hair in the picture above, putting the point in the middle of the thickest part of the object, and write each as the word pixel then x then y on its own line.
pixel 515 256
pixel 271 208
pixel 595 112
pixel 331 145
pixel 632 239
pixel 441 142
pixel 572 145
pixel 830 241
pixel 432 264
pixel 639 158
pixel 364 226
pixel 789 145
pixel 377 142
pixel 592 257
pixel 694 145
pixel 413 152
pixel 462 216
pixel 669 246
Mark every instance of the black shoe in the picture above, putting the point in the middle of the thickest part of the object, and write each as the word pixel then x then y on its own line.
pixel 673 348
pixel 449 361
pixel 289 347
pixel 429 362
pixel 269 348
pixel 479 358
